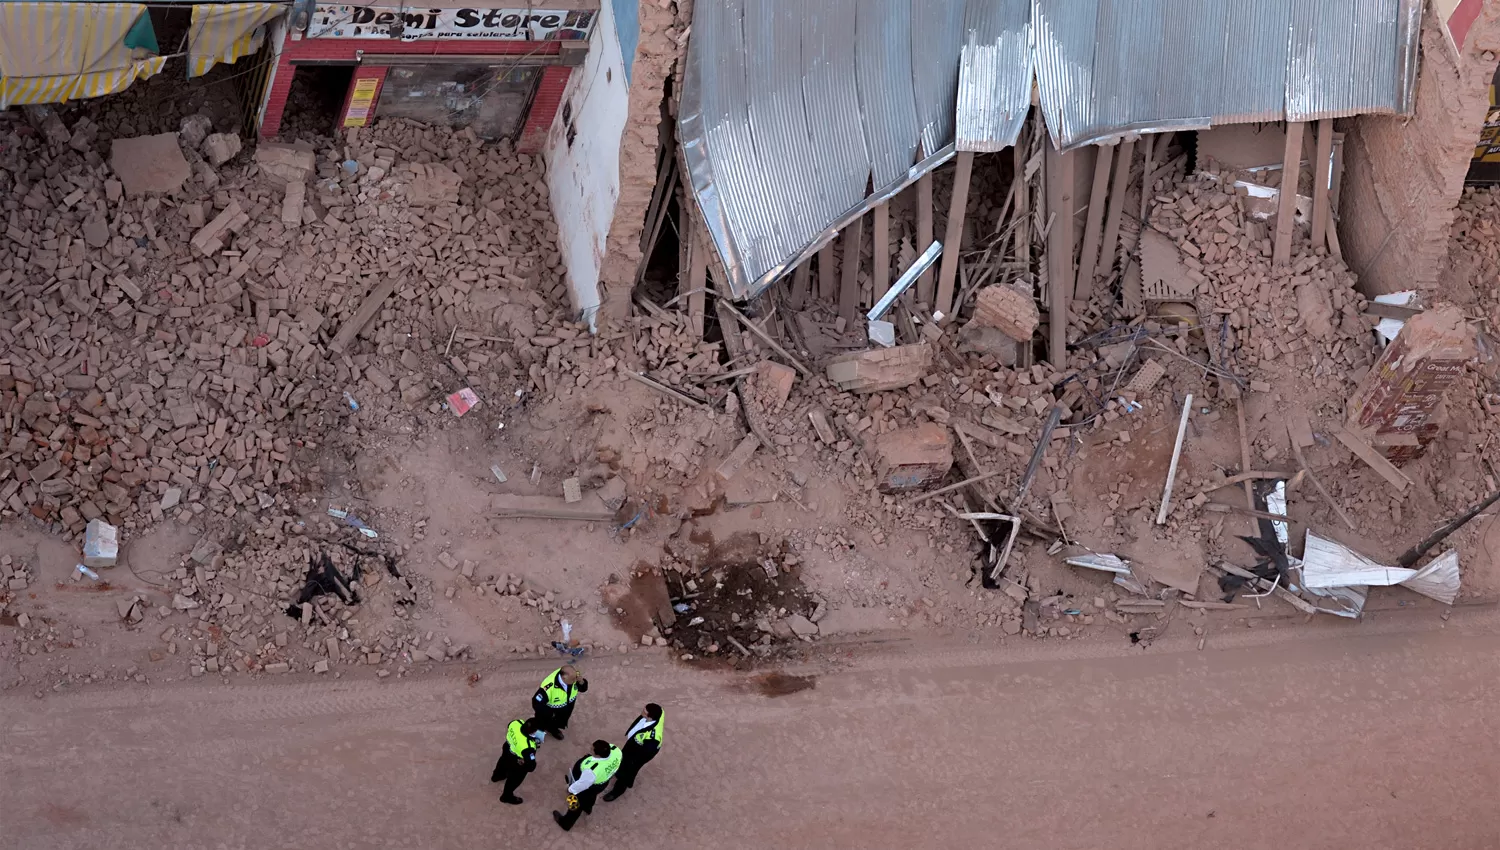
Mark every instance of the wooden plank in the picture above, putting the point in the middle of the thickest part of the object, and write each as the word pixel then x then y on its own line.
pixel 1239 415
pixel 367 310
pixel 1094 223
pixel 951 487
pixel 1109 246
pixel 666 390
pixel 882 248
pixel 697 279
pixel 953 233
pixel 1166 494
pixel 1059 179
pixel 924 233
pixel 1291 170
pixel 591 509
pixel 826 282
pixel 849 274
pixel 1321 169
pixel 766 338
pixel 1376 461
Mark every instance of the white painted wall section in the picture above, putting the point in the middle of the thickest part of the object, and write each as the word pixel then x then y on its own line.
pixel 583 178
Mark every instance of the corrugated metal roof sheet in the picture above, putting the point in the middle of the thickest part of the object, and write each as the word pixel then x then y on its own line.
pixel 1106 68
pixel 994 75
pixel 798 116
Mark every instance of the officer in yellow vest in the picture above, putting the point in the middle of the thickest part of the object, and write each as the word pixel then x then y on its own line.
pixel 553 702
pixel 642 743
pixel 587 778
pixel 518 759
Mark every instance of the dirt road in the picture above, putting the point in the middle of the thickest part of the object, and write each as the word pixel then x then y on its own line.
pixel 1379 735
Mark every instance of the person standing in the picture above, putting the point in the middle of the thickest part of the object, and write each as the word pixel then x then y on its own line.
pixel 518 758
pixel 587 778
pixel 642 743
pixel 553 702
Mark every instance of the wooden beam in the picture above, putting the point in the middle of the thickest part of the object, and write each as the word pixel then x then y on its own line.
pixel 924 233
pixel 1166 493
pixel 801 281
pixel 1317 485
pixel 1291 172
pixel 1371 456
pixel 697 278
pixel 1146 177
pixel 849 273
pixel 666 390
pixel 362 316
pixel 1322 167
pixel 826 283
pixel 1109 247
pixel 1023 201
pixel 1093 224
pixel 1059 180
pixel 882 249
pixel 953 233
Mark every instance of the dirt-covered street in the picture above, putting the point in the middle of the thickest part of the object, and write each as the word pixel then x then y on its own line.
pixel 1376 737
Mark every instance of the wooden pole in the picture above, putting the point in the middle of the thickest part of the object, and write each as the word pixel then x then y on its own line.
pixel 1087 260
pixel 953 233
pixel 882 250
pixel 1322 166
pixel 826 283
pixel 1109 246
pixel 801 280
pixel 1059 181
pixel 1291 171
pixel 1166 495
pixel 1023 201
pixel 849 272
pixel 924 233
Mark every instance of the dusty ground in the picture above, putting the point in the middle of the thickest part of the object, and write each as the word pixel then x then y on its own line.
pixel 1378 735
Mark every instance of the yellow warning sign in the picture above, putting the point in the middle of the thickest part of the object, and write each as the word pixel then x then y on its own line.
pixel 360 101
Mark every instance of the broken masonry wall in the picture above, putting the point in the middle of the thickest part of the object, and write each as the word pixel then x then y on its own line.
pixel 1403 178
pixel 583 161
pixel 661 45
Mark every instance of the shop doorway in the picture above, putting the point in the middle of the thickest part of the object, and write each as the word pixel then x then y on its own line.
pixel 316 100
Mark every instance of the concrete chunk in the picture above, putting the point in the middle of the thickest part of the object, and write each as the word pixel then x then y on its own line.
pixel 912 458
pixel 149 164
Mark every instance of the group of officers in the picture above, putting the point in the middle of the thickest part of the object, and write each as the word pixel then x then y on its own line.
pixel 552 707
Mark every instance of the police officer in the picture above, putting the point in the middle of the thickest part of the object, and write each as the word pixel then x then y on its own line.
pixel 587 778
pixel 642 743
pixel 553 702
pixel 518 758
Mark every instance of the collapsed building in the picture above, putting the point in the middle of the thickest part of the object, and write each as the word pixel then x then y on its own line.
pixel 970 262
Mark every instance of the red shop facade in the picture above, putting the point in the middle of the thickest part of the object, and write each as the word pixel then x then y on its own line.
pixel 500 71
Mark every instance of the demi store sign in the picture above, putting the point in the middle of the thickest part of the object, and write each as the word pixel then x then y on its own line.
pixel 419 24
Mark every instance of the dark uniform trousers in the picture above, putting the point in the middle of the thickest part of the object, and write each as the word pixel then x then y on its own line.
pixel 586 799
pixel 633 758
pixel 549 719
pixel 512 769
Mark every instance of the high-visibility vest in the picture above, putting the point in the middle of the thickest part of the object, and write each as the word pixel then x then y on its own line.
pixel 521 745
pixel 557 694
pixel 603 768
pixel 651 734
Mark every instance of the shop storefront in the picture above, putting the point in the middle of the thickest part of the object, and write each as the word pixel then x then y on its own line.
pixel 499 71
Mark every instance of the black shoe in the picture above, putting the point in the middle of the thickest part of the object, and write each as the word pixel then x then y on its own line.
pixel 557 816
pixel 512 799
pixel 558 734
pixel 612 796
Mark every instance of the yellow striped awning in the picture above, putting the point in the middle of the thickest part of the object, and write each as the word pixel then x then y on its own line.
pixel 224 32
pixel 53 52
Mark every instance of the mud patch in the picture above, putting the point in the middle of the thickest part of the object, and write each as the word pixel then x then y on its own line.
pixel 745 603
pixel 778 684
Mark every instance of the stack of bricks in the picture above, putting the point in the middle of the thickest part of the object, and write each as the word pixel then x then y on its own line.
pixel 1306 315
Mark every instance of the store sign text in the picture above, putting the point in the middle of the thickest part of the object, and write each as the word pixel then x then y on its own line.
pixel 414 25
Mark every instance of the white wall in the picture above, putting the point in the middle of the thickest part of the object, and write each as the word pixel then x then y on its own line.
pixel 584 180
